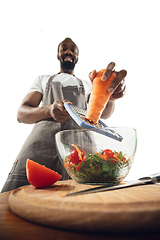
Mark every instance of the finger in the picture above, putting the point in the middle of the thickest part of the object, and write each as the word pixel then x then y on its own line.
pixel 120 76
pixel 59 104
pixel 118 95
pixel 66 101
pixel 60 116
pixel 92 75
pixel 107 73
pixel 120 87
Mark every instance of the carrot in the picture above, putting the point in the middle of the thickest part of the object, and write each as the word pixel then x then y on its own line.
pixel 79 152
pixel 104 157
pixel 116 158
pixel 99 97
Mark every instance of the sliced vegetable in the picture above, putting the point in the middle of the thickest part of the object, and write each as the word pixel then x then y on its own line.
pixel 104 157
pixel 109 153
pixel 99 97
pixel 40 176
pixel 76 155
pixel 103 166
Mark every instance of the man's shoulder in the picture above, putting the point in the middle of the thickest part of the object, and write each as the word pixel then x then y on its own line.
pixel 45 76
pixel 40 82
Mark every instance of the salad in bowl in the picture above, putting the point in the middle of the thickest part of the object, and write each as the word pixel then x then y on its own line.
pixel 92 158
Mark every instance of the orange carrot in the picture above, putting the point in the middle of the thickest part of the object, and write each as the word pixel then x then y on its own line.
pixel 79 151
pixel 116 158
pixel 99 97
pixel 104 157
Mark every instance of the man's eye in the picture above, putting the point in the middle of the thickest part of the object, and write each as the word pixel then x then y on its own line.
pixel 65 49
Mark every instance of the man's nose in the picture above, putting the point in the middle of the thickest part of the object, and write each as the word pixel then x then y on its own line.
pixel 68 51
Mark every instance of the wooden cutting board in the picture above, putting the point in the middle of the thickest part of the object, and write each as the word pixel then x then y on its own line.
pixel 134 209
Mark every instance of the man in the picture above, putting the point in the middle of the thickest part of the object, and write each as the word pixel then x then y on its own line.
pixel 52 117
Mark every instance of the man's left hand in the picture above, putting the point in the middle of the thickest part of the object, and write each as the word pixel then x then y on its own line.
pixel 118 87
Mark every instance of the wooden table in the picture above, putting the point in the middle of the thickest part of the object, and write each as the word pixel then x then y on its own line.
pixel 13 227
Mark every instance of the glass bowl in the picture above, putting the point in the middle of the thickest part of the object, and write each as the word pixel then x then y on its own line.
pixel 103 160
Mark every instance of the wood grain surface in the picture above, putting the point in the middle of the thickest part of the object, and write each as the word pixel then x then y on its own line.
pixel 134 209
pixel 13 227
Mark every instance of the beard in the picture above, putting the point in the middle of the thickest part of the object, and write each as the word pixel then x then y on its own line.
pixel 67 66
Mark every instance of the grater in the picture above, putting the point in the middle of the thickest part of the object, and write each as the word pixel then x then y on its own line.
pixel 78 115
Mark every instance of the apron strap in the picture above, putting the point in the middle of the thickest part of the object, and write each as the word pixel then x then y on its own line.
pixel 81 85
pixel 79 81
pixel 50 80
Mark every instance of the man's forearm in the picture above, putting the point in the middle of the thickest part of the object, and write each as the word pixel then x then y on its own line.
pixel 109 109
pixel 30 115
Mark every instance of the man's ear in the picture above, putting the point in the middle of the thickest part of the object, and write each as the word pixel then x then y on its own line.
pixel 57 56
pixel 77 60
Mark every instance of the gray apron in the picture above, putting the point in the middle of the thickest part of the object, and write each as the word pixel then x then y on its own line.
pixel 40 145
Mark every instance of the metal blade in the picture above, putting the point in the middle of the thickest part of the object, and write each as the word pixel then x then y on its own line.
pixel 146 180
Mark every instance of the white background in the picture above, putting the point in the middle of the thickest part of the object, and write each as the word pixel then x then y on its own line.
pixel 126 32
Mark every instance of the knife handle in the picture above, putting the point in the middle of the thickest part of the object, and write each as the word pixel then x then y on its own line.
pixel 157 176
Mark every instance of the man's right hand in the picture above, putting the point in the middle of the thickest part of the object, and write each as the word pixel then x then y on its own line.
pixel 58 111
pixel 30 112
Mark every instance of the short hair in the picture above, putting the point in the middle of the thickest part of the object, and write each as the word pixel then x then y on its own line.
pixel 63 41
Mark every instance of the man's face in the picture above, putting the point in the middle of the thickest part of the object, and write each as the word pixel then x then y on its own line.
pixel 68 55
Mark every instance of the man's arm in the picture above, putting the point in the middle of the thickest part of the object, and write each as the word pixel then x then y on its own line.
pixel 29 112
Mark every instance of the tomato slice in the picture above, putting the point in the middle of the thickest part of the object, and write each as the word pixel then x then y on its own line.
pixel 124 159
pixel 109 153
pixel 74 156
pixel 40 176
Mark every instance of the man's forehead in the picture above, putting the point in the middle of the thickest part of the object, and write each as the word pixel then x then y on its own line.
pixel 68 42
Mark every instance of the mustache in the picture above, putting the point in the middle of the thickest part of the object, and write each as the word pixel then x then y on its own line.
pixel 68 55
